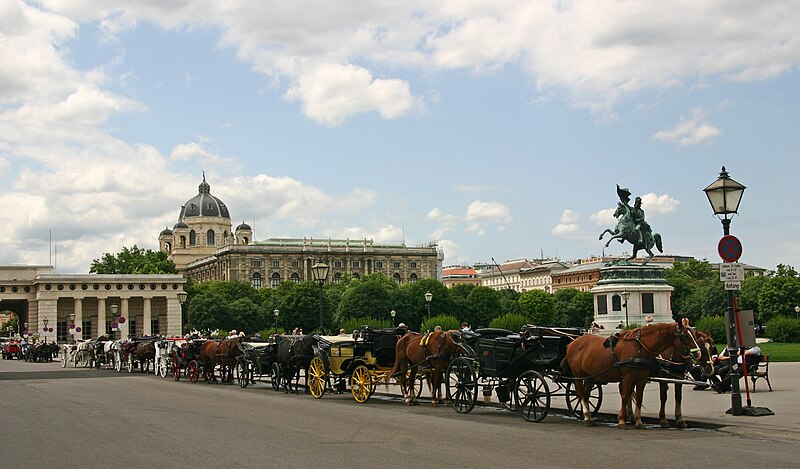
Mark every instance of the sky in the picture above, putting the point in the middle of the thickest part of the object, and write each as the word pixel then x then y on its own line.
pixel 498 129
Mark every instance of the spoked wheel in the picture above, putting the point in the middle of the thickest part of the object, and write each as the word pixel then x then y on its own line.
pixel 462 385
pixel 316 378
pixel 532 396
pixel 130 364
pixel 63 360
pixel 595 400
pixel 510 404
pixel 208 374
pixel 163 369
pixel 176 370
pixel 243 373
pixel 118 363
pixel 361 384
pixel 276 376
pixel 193 371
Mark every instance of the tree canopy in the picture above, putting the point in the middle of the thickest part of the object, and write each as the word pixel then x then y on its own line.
pixel 133 261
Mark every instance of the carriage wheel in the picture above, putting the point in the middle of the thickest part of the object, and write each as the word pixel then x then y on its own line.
pixel 208 374
pixel 176 370
pixel 595 400
pixel 276 376
pixel 130 364
pixel 63 360
pixel 118 363
pixel 511 403
pixel 243 373
pixel 532 396
pixel 316 377
pixel 361 384
pixel 163 367
pixel 193 371
pixel 462 385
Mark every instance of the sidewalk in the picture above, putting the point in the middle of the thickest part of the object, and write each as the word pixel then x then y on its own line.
pixel 702 408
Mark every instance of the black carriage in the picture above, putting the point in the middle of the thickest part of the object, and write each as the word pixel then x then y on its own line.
pixel 186 360
pixel 517 367
pixel 257 360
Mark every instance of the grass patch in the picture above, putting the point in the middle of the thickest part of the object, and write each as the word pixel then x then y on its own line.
pixel 781 352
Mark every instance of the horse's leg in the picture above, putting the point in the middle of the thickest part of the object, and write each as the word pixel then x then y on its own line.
pixel 662 414
pixel 678 413
pixel 625 393
pixel 639 398
pixel 581 387
pixel 436 390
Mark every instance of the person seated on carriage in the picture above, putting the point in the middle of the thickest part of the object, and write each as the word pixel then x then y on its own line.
pixel 342 332
pixel 721 379
pixel 465 327
pixel 233 334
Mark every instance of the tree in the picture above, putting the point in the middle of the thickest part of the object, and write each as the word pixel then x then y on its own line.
pixel 133 261
pixel 508 301
pixel 573 308
pixel 369 296
pixel 784 271
pixel 484 305
pixel 539 307
pixel 778 297
pixel 409 302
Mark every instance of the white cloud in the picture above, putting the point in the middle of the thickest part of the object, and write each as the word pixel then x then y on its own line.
pixel 657 205
pixel 689 131
pixel 603 217
pixel 453 254
pixel 568 223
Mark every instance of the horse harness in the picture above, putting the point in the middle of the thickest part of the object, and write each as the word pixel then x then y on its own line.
pixel 636 362
pixel 423 342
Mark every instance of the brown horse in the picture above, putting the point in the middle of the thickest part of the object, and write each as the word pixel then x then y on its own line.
pixel 430 353
pixel 222 353
pixel 675 364
pixel 629 359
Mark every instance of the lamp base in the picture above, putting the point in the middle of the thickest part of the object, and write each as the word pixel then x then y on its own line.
pixel 753 411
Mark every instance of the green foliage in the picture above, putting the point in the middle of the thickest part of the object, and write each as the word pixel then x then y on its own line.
pixel 783 329
pixel 539 307
pixel 10 324
pixel 483 306
pixel 446 321
pixel 513 322
pixel 783 271
pixel 358 323
pixel 370 295
pixel 778 296
pixel 133 261
pixel 410 304
pixel 509 301
pixel 573 308
pixel 748 295
pixel 714 326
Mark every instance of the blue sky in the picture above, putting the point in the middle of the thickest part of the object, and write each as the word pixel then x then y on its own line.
pixel 494 128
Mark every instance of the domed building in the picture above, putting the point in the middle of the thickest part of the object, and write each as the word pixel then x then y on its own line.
pixel 203 245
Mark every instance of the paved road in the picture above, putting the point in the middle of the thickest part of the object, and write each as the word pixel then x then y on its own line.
pixel 54 417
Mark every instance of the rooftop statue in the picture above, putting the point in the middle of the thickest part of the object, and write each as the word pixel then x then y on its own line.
pixel 632 227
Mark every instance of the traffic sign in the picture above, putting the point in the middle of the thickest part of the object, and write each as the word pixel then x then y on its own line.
pixel 731 272
pixel 730 248
pixel 733 285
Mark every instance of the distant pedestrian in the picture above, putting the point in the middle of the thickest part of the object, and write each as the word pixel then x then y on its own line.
pixel 648 319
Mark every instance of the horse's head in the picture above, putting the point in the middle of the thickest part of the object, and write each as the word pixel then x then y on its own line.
pixel 706 347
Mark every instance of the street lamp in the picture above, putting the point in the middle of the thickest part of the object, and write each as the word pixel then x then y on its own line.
pixel 276 313
pixel 320 272
pixel 182 297
pixel 114 310
pixel 393 313
pixel 45 321
pixel 428 298
pixel 625 295
pixel 724 195
pixel 796 312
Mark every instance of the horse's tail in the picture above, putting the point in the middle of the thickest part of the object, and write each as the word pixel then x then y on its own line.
pixel 565 367
pixel 657 237
pixel 399 356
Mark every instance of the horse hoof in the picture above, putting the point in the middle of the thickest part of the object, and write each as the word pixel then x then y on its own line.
pixel 683 425
pixel 665 425
pixel 590 423
pixel 639 426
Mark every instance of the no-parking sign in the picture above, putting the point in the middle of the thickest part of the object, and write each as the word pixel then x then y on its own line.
pixel 730 248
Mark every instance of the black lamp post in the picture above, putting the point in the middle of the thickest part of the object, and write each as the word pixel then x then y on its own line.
pixel 625 295
pixel 320 272
pixel 45 321
pixel 182 297
pixel 393 313
pixel 428 298
pixel 724 194
pixel 797 312
pixel 114 318
pixel 276 313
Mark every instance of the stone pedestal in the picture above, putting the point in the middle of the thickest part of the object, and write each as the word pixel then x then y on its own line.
pixel 647 294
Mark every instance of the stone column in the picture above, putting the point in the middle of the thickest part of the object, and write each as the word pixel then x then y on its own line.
pixel 123 311
pixel 174 326
pixel 78 317
pixel 147 317
pixel 101 316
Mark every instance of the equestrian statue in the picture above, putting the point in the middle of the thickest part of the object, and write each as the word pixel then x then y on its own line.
pixel 632 227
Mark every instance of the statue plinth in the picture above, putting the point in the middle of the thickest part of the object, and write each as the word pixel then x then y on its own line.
pixel 627 293
pixel 631 274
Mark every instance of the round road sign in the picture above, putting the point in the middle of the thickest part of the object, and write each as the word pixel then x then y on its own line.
pixel 730 248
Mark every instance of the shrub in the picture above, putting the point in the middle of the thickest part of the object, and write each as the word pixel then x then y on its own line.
pixel 447 322
pixel 714 326
pixel 513 322
pixel 783 329
pixel 357 323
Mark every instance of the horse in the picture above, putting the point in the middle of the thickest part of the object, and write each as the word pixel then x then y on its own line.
pixel 146 353
pixel 295 354
pixel 625 232
pixel 433 351
pixel 676 366
pixel 221 353
pixel 629 359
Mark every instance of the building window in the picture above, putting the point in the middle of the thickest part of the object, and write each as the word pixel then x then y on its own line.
pixel 355 264
pixel 648 306
pixel 86 329
pixel 275 280
pixel 412 278
pixel 295 278
pixel 337 277
pixel 413 264
pixel 255 280
pixel 378 264
pixel 396 264
pixel 154 326
pixel 396 278
pixel 256 264
pixel 295 264
pixel 616 303
pixel 61 331
pixel 356 276
pixel 210 237
pixel 602 306
pixel 276 264
pixel 192 238
pixel 183 242
pixel 132 326
pixel 337 264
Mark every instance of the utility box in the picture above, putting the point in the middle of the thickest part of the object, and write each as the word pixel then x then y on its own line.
pixel 747 331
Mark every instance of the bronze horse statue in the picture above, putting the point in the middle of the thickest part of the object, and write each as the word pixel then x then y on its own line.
pixel 629 359
pixel 626 230
pixel 430 353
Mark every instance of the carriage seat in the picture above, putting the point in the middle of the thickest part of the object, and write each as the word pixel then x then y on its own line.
pixel 492 332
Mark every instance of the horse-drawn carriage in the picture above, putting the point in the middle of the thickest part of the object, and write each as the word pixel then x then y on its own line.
pixel 186 359
pixel 517 367
pixel 138 352
pixel 257 360
pixel 11 350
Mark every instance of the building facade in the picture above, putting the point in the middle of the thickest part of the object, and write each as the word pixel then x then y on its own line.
pixel 203 245
pixel 452 276
pixel 36 294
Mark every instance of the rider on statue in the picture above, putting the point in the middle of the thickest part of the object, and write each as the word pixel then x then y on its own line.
pixel 632 227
